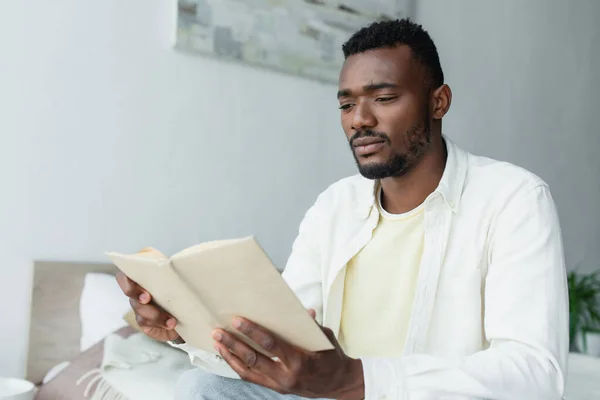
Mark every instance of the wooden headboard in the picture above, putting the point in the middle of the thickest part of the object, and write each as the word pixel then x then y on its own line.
pixel 55 330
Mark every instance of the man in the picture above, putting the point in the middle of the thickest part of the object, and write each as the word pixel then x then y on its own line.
pixel 438 274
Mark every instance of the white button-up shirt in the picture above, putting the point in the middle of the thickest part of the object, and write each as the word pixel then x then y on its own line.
pixel 490 314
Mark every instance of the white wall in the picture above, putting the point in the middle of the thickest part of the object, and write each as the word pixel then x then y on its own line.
pixel 111 140
pixel 526 79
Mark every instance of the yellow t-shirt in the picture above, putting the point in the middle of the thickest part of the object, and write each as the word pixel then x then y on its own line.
pixel 380 285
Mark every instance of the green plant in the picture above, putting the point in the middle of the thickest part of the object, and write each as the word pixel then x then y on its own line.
pixel 584 305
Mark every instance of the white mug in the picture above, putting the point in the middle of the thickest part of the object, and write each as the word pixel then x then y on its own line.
pixel 16 389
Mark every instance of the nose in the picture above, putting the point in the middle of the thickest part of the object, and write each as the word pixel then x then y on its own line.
pixel 363 117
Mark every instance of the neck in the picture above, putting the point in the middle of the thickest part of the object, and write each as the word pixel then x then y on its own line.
pixel 405 193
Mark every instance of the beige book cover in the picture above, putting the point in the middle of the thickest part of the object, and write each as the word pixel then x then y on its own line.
pixel 206 285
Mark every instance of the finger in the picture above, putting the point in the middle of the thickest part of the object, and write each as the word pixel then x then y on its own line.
pixel 160 334
pixel 132 289
pixel 263 338
pixel 247 373
pixel 248 355
pixel 312 313
pixel 150 315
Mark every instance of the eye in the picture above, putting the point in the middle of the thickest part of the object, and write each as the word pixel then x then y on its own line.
pixel 386 99
pixel 345 107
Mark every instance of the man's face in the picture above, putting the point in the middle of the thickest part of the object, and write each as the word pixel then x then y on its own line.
pixel 385 111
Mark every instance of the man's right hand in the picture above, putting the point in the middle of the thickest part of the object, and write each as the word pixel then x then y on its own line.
pixel 153 320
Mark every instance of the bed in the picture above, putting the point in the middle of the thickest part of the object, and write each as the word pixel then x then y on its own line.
pixel 77 325
pixel 66 344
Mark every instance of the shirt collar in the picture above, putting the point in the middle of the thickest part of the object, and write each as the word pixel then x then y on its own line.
pixel 450 187
pixel 453 179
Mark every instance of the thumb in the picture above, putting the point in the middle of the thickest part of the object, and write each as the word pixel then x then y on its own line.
pixel 331 336
pixel 312 313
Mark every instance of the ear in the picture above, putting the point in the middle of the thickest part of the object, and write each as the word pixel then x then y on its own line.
pixel 441 101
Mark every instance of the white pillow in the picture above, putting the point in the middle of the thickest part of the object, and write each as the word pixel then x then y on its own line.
pixel 101 308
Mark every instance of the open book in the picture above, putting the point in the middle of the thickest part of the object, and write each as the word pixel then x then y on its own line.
pixel 205 286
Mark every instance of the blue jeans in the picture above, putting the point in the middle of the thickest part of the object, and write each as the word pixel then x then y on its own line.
pixel 197 384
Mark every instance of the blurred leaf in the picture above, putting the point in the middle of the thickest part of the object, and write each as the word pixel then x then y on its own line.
pixel 584 305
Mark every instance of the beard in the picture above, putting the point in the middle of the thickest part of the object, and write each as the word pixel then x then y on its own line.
pixel 417 138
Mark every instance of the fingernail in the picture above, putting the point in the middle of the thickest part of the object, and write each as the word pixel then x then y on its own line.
pixel 218 336
pixel 144 297
pixel 171 323
pixel 237 323
pixel 217 348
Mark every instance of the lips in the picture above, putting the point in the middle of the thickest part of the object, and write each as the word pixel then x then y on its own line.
pixel 365 141
pixel 367 146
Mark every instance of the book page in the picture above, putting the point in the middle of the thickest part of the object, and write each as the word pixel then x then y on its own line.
pixel 206 245
pixel 238 279
pixel 152 253
pixel 167 291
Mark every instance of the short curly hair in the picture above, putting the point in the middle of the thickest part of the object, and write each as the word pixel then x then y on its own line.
pixel 389 34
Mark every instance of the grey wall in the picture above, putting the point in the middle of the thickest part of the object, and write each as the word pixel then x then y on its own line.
pixel 526 82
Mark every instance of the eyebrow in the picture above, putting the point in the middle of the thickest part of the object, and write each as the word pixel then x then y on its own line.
pixel 368 88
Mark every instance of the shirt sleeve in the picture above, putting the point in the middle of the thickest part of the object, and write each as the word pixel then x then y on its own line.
pixel 526 321
pixel 209 362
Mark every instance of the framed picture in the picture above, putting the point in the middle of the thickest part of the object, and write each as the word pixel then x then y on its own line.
pixel 300 37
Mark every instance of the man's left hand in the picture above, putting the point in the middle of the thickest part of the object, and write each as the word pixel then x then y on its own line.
pixel 326 374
